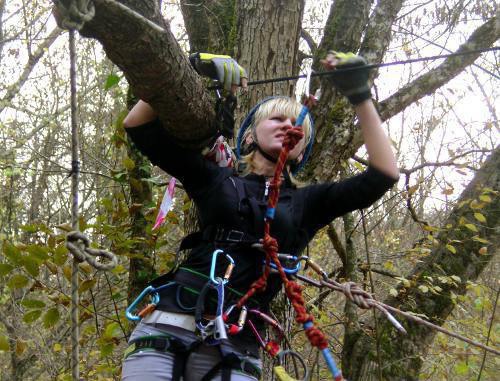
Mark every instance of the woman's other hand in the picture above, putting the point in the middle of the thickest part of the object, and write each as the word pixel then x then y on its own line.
pixel 352 83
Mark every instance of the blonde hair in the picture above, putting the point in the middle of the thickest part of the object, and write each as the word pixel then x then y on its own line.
pixel 286 106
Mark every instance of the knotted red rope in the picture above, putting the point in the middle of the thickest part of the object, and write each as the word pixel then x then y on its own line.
pixel 293 290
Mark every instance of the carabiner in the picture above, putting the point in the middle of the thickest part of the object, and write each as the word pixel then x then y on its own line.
pixel 155 300
pixel 287 270
pixel 272 347
pixel 215 327
pixel 233 329
pixel 229 268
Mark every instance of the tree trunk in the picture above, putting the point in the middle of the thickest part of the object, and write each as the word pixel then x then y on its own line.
pixel 210 25
pixel 402 355
pixel 268 44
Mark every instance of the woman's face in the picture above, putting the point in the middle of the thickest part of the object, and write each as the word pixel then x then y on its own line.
pixel 271 133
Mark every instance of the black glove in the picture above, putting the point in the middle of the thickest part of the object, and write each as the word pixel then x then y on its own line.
pixel 222 68
pixel 353 83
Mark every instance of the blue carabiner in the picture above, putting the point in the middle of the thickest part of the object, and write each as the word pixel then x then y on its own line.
pixel 287 270
pixel 228 270
pixel 148 290
pixel 155 299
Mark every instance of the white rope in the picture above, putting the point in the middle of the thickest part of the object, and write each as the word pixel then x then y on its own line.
pixel 79 245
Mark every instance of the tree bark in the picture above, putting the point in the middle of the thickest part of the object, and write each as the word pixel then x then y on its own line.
pixel 210 25
pixel 155 66
pixel 268 44
pixel 402 355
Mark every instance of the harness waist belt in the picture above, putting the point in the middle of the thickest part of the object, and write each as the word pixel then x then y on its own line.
pixel 175 319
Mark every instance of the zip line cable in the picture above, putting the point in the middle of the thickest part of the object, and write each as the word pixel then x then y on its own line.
pixel 370 66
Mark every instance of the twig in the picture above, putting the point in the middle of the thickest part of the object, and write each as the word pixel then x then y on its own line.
pixel 488 336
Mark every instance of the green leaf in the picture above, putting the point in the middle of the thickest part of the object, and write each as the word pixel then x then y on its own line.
pixel 4 343
pixel 51 317
pixel 17 281
pixel 106 349
pixel 31 266
pixel 87 284
pixel 60 255
pixel 128 163
pixel 33 303
pixel 12 252
pixel 111 81
pixel 38 252
pixel 112 330
pixel 5 269
pixel 31 316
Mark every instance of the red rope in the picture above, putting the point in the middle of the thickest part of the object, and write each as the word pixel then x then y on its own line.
pixel 293 290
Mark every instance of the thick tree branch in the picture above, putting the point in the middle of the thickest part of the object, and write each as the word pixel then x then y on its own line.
pixel 156 68
pixel 483 37
pixel 379 30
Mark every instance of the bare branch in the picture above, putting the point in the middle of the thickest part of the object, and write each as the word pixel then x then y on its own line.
pixel 483 37
pixel 14 89
pixel 309 40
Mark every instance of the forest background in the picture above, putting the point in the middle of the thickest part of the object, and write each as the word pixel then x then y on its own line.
pixel 428 246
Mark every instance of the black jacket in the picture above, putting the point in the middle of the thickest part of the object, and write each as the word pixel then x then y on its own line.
pixel 300 212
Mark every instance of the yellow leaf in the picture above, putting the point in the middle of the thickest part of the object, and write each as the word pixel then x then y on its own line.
pixel 406 282
pixel 471 227
pixel 57 347
pixel 483 250
pixel 451 248
pixel 430 228
pixel 479 239
pixel 412 189
pixel 480 217
pixel 485 198
pixel 456 278
pixel 389 265
pixel 423 288
pixel 393 292
pixel 67 272
pixel 20 347
pixel 476 205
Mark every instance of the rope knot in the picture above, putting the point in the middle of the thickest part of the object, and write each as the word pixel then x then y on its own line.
pixel 357 295
pixel 73 14
pixel 79 245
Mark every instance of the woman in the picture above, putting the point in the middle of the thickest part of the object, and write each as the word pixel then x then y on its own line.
pixel 166 344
